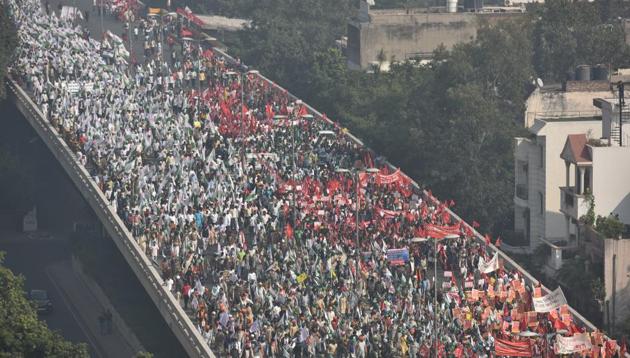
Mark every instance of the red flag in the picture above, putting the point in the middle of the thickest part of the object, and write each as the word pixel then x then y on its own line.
pixel 459 351
pixel 288 231
pixel 512 349
pixel 475 224
pixel 208 54
pixel 269 111
pixel 446 217
pixel 558 325
pixel 333 185
pixel 186 32
pixel 487 239
pixel 611 348
pixel 225 109
pixel 303 111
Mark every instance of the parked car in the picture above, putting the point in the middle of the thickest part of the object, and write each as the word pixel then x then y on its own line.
pixel 42 301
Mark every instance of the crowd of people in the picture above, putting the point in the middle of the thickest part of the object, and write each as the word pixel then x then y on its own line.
pixel 280 235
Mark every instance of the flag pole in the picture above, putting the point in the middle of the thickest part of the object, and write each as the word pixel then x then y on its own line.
pixel 435 333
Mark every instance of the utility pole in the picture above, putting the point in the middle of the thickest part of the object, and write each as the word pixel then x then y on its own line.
pixel 620 86
pixel 356 179
pixel 435 313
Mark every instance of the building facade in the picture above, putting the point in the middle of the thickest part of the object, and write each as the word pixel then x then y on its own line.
pixel 379 37
pixel 552 114
pixel 598 167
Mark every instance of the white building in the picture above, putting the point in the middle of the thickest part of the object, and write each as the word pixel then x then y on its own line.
pixel 600 167
pixel 552 114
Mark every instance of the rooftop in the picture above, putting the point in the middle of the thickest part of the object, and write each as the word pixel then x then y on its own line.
pixel 575 150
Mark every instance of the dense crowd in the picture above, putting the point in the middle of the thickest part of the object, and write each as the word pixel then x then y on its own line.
pixel 235 191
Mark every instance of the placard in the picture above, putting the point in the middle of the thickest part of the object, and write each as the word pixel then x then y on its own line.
pixel 577 343
pixel 550 302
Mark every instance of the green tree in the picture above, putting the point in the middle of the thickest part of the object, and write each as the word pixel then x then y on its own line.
pixel 568 33
pixel 584 287
pixel 8 42
pixel 610 226
pixel 286 35
pixel 21 333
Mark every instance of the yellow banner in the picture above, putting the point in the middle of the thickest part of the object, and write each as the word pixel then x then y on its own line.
pixel 154 10
pixel 302 278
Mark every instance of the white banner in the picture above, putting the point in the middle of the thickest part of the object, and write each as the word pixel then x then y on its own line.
pixel 73 87
pixel 569 345
pixel 71 13
pixel 550 302
pixel 490 266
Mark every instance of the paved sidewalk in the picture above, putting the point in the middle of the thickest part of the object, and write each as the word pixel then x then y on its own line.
pixel 87 308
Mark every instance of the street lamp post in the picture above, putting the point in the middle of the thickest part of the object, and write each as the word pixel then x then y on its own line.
pixel 356 173
pixel 291 116
pixel 435 288
pixel 241 128
pixel 101 15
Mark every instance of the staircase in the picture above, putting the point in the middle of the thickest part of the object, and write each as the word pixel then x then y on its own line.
pixel 615 132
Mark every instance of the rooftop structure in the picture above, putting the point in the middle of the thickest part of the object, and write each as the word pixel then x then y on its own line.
pixel 384 36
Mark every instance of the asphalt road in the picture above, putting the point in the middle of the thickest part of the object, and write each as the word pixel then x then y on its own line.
pixel 30 257
pixel 98 24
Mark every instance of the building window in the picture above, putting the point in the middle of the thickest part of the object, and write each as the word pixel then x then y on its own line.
pixel 542 203
pixel 588 186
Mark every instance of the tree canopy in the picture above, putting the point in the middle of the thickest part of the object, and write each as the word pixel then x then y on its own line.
pixel 8 42
pixel 21 333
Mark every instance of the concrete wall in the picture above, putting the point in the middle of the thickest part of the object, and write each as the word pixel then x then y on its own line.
pixel 611 181
pixel 407 34
pixel 619 303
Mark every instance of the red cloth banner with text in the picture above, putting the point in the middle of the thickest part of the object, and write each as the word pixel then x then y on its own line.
pixel 512 349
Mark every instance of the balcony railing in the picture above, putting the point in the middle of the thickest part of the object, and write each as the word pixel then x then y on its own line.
pixel 569 200
pixel 572 203
pixel 521 191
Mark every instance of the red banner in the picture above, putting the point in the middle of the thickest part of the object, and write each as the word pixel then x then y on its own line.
pixel 440 232
pixel 512 349
pixel 383 179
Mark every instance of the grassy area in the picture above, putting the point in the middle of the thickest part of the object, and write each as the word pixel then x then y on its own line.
pixel 103 262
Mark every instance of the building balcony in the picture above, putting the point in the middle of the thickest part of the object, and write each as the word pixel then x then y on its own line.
pixel 572 204
pixel 521 195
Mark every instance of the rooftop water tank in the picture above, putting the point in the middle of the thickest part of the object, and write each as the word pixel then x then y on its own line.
pixel 600 73
pixel 583 73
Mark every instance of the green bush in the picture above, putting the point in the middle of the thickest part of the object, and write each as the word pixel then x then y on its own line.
pixel 609 226
pixel 21 333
